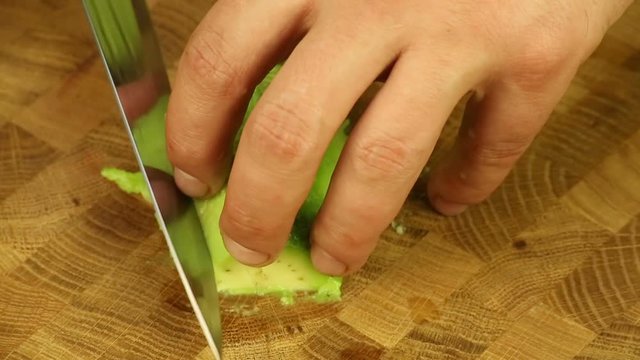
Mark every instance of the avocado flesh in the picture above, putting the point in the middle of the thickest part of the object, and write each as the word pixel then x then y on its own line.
pixel 291 275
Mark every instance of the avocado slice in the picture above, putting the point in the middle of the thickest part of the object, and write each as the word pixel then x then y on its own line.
pixel 292 275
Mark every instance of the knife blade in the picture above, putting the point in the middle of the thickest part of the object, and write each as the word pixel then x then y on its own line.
pixel 130 52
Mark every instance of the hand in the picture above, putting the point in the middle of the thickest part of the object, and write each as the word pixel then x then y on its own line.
pixel 516 57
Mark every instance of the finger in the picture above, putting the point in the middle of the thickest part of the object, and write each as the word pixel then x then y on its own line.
pixel 288 132
pixel 497 129
pixel 139 97
pixel 382 160
pixel 231 50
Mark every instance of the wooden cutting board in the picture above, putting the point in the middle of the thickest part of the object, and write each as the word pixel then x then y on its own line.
pixel 548 268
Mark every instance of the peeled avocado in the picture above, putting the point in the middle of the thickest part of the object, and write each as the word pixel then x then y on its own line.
pixel 292 274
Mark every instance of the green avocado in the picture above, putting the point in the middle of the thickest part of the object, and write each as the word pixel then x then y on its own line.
pixel 292 274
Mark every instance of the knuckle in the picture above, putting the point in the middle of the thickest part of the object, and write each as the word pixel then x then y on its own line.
pixel 499 154
pixel 283 132
pixel 207 57
pixel 384 157
pixel 186 147
pixel 241 223
pixel 346 241
pixel 540 59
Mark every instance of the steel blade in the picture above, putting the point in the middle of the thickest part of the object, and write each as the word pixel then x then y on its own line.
pixel 131 54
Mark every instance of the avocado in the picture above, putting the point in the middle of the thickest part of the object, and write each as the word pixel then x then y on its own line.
pixel 291 275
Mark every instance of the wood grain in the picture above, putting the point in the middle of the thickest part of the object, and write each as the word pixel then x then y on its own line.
pixel 411 292
pixel 540 334
pixel 547 268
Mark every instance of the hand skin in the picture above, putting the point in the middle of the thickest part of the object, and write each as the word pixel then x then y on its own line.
pixel 517 58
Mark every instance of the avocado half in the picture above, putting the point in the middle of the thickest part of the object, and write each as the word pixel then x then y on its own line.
pixel 291 275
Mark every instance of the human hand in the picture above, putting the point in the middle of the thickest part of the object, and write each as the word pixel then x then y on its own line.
pixel 517 57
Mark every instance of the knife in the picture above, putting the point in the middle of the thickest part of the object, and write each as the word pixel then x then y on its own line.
pixel 131 55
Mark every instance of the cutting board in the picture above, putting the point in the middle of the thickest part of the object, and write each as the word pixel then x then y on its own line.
pixel 547 268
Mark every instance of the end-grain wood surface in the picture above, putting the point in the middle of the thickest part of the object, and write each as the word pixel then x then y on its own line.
pixel 548 268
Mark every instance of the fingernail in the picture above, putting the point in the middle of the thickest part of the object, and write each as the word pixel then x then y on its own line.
pixel 190 185
pixel 244 255
pixel 448 208
pixel 326 263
